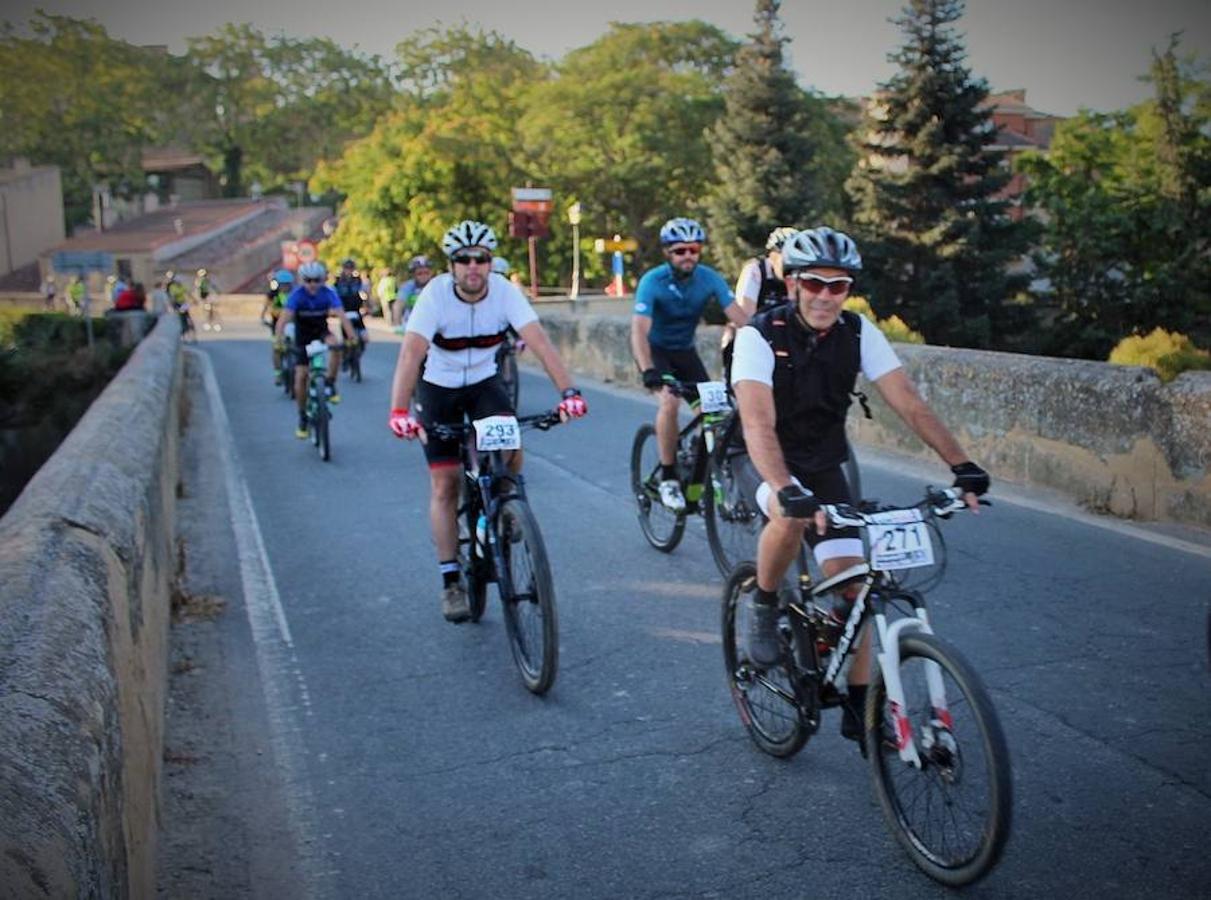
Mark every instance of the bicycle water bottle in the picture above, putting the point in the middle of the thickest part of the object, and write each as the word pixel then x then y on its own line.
pixel 481 532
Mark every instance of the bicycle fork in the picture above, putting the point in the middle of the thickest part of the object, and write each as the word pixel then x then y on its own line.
pixel 889 665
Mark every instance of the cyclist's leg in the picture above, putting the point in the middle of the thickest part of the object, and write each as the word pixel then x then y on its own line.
pixel 666 413
pixel 437 405
pixel 334 357
pixel 298 354
pixel 837 550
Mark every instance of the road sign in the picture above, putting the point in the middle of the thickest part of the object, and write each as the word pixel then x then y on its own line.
pixel 617 245
pixel 306 251
pixel 528 224
pixel 290 255
pixel 574 214
pixel 81 261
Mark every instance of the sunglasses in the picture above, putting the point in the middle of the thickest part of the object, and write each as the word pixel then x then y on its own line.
pixel 834 286
pixel 467 258
pixel 691 250
pixel 313 281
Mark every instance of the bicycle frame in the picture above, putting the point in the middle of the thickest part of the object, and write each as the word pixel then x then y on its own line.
pixel 874 587
pixel 483 480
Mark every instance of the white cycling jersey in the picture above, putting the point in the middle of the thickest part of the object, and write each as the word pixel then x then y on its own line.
pixel 467 329
pixel 753 358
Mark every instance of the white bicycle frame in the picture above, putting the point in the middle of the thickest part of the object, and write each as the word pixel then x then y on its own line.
pixel 888 653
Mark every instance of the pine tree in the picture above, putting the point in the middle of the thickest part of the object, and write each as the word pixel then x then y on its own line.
pixel 770 149
pixel 937 241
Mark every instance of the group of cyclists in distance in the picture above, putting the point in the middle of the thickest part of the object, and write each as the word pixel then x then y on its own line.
pixel 792 357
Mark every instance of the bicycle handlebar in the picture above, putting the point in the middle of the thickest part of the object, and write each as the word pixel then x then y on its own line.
pixel 938 503
pixel 541 421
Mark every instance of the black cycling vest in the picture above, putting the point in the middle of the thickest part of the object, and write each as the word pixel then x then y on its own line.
pixel 349 290
pixel 814 378
pixel 773 289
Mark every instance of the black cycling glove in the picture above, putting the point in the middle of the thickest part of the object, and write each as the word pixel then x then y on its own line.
pixel 652 379
pixel 797 502
pixel 971 478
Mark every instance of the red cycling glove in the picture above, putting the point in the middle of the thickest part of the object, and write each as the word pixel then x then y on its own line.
pixel 403 425
pixel 573 406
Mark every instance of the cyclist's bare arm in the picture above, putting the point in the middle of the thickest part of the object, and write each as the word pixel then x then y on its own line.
pixel 756 404
pixel 536 339
pixel 901 395
pixel 641 329
pixel 286 316
pixel 412 353
pixel 736 314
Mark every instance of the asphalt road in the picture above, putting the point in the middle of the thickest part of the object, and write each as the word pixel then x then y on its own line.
pixel 418 766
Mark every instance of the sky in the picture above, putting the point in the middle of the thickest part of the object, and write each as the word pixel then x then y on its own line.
pixel 1067 54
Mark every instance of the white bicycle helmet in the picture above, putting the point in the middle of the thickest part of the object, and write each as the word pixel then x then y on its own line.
pixel 682 231
pixel 468 233
pixel 778 237
pixel 500 265
pixel 314 269
pixel 820 247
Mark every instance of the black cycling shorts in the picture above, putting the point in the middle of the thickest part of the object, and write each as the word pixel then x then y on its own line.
pixel 303 337
pixel 684 365
pixel 829 486
pixel 453 406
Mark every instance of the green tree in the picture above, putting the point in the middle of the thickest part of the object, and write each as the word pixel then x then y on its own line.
pixel 622 127
pixel 447 152
pixel 780 154
pixel 935 234
pixel 72 96
pixel 1126 202
pixel 270 108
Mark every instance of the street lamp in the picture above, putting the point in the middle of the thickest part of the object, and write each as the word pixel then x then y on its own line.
pixel 574 219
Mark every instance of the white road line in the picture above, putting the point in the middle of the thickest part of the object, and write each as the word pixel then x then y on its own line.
pixel 282 679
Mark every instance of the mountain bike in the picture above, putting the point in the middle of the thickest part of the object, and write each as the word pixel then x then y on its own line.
pixel 716 476
pixel 318 414
pixel 506 366
pixel 939 761
pixel 707 466
pixel 499 541
pixel 351 359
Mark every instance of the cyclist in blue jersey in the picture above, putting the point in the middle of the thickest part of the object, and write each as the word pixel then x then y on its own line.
pixel 309 307
pixel 668 304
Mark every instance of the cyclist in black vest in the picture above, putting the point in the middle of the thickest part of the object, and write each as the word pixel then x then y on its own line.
pixel 348 286
pixel 794 370
pixel 759 287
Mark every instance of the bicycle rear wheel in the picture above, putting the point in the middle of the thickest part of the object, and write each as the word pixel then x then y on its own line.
pixel 528 597
pixel 952 815
pixel 767 699
pixel 662 527
pixel 733 522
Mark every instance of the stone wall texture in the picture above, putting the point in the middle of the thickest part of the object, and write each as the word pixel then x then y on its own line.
pixel 86 569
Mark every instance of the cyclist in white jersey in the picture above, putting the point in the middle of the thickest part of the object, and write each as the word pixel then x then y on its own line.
pixel 460 320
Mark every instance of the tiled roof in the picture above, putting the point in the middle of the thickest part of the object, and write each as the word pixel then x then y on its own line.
pixel 160 227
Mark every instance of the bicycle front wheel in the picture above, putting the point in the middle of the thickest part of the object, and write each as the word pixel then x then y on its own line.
pixel 661 526
pixel 322 438
pixel 952 812
pixel 767 698
pixel 733 522
pixel 528 596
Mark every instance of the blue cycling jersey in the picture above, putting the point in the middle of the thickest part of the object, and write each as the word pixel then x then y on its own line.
pixel 311 312
pixel 675 303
